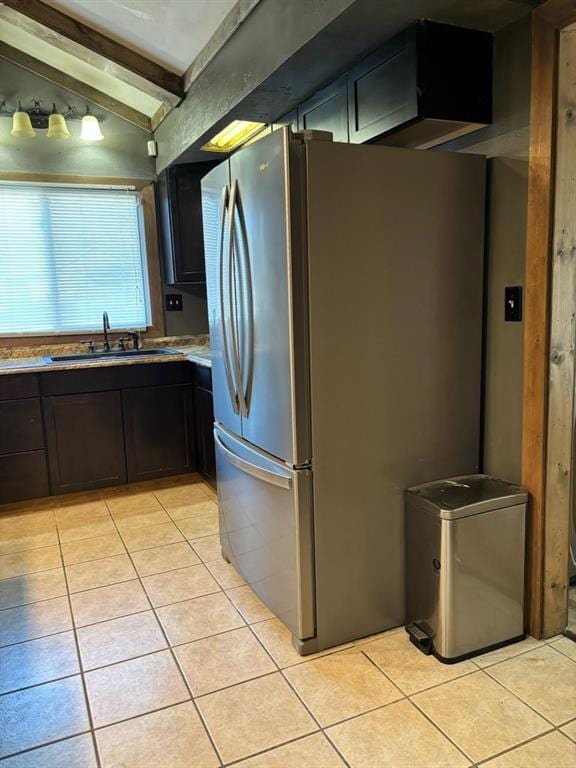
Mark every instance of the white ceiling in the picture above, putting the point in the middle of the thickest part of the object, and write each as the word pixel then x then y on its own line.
pixel 170 32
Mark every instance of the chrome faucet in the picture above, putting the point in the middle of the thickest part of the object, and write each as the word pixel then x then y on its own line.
pixel 106 327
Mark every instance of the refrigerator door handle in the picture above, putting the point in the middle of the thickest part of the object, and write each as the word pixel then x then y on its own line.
pixel 247 306
pixel 225 344
pixel 266 475
pixel 232 302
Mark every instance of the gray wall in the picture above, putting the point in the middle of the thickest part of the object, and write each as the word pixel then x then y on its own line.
pixel 506 145
pixel 194 316
pixel 122 152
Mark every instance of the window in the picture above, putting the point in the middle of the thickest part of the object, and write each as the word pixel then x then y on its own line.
pixel 67 254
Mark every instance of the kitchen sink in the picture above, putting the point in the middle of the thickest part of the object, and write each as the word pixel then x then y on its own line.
pixel 111 354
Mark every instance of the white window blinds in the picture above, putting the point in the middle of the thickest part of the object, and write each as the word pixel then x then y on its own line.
pixel 67 254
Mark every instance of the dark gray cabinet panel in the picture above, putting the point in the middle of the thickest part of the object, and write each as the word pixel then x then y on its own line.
pixel 382 89
pixel 23 476
pixel 204 411
pixel 85 439
pixel 179 204
pixel 327 110
pixel 159 431
pixel 21 425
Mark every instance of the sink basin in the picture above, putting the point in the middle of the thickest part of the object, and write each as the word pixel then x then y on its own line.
pixel 112 354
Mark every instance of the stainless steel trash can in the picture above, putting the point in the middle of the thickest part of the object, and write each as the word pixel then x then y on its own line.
pixel 465 565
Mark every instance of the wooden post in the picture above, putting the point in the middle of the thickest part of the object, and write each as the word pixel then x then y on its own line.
pixel 562 341
pixel 544 529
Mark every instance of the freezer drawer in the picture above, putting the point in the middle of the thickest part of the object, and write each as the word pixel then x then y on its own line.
pixel 266 529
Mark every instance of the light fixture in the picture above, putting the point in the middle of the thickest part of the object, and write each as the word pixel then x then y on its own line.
pixel 21 124
pixel 25 122
pixel 90 127
pixel 237 133
pixel 57 128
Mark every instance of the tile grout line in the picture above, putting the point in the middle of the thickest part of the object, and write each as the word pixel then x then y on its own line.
pixel 26 751
pixel 80 663
pixel 440 731
pixel 505 688
pixel 278 670
pixel 174 658
pixel 523 743
pixel 321 728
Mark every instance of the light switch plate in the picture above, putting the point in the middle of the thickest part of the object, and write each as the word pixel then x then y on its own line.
pixel 513 304
pixel 173 302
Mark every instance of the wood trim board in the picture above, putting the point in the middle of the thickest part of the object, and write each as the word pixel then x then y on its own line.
pixel 541 592
pixel 63 31
pixel 561 382
pixel 63 80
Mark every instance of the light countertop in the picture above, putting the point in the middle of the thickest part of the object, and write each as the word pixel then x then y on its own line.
pixel 195 353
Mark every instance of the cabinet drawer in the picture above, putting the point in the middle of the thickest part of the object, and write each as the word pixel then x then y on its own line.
pixel 115 378
pixel 15 386
pixel 21 426
pixel 23 476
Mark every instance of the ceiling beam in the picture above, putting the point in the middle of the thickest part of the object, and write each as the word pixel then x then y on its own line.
pixel 236 16
pixel 85 91
pixel 93 47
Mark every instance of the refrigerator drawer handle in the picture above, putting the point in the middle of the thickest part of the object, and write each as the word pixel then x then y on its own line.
pixel 252 469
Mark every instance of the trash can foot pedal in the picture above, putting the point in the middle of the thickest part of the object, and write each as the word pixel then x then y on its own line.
pixel 420 639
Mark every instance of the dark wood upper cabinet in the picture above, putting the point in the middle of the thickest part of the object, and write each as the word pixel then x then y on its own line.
pixel 159 431
pixel 430 83
pixel 85 439
pixel 327 110
pixel 179 202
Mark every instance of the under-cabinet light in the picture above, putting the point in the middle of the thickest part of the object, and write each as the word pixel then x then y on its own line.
pixel 233 136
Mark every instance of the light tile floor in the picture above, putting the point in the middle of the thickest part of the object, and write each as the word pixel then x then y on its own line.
pixel 127 642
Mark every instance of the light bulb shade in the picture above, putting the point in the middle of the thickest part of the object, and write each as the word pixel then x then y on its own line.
pixel 57 128
pixel 22 125
pixel 91 129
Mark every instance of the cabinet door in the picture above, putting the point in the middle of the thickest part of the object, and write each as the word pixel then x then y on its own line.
pixel 179 201
pixel 85 441
pixel 159 428
pixel 382 89
pixel 204 412
pixel 327 110
pixel 23 476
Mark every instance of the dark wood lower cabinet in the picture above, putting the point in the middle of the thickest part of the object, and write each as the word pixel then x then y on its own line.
pixel 159 431
pixel 103 427
pixel 85 439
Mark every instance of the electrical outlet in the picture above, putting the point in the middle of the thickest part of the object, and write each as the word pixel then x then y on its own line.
pixel 173 302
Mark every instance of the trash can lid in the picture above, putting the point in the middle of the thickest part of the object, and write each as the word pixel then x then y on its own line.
pixel 466 495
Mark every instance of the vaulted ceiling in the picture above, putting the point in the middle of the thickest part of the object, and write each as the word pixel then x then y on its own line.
pixel 170 32
pixel 133 57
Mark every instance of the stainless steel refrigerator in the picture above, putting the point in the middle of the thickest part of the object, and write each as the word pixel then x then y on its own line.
pixel 345 306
